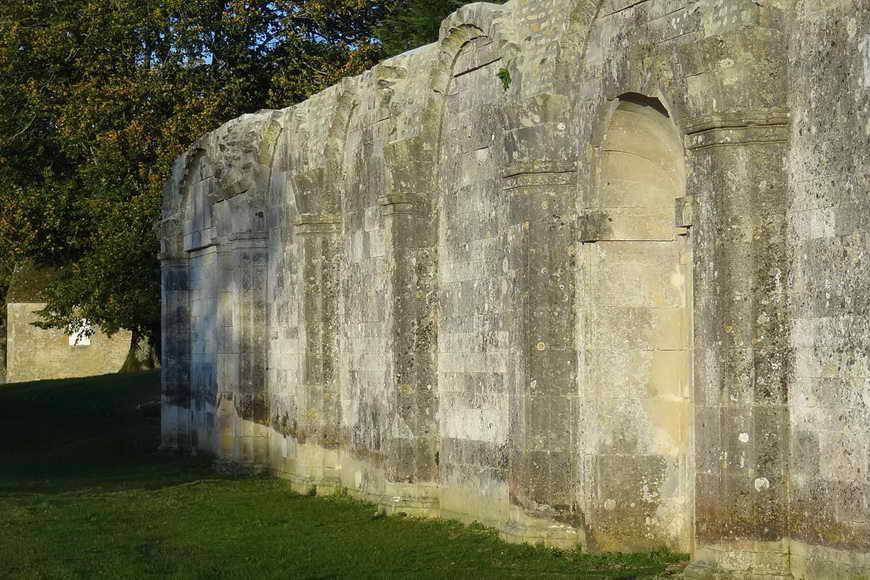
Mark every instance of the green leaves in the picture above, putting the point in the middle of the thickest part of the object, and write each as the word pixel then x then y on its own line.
pixel 100 96
pixel 504 75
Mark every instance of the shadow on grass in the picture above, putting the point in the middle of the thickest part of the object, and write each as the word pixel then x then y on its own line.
pixel 84 493
pixel 102 432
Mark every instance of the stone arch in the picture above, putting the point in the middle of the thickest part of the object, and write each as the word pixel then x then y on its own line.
pixel 412 163
pixel 196 208
pixel 409 212
pixel 582 14
pixel 731 137
pixel 477 22
pixel 451 45
pixel 318 189
pixel 316 184
pixel 336 145
pixel 641 144
pixel 176 205
pixel 215 170
pixel 194 162
pixel 613 103
pixel 636 320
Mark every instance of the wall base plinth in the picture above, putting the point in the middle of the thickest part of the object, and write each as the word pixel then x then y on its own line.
pixel 419 500
pixel 809 561
pixel 530 530
pixel 746 560
pixel 240 469
pixel 311 469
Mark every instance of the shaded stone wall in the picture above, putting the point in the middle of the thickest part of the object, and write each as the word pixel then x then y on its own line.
pixel 566 271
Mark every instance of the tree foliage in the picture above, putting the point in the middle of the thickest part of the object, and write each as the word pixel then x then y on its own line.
pixel 100 96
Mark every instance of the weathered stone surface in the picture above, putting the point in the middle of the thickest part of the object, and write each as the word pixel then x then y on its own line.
pixel 616 301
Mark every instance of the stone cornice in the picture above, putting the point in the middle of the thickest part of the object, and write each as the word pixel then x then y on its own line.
pixel 737 135
pixel 317 223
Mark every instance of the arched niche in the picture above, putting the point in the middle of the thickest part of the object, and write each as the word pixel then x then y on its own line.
pixel 640 171
pixel 198 212
pixel 636 327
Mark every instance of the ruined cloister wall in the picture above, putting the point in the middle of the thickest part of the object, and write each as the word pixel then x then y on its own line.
pixel 589 272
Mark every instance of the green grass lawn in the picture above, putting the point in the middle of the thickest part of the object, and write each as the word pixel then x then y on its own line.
pixel 84 494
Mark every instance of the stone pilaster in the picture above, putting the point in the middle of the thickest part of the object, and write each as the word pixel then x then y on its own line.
pixel 320 408
pixel 539 184
pixel 249 256
pixel 742 356
pixel 175 358
pixel 540 188
pixel 542 206
pixel 413 441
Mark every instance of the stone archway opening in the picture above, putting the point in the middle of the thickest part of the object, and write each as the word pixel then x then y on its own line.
pixel 637 329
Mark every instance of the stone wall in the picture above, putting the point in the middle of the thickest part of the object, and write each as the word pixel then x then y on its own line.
pixel 34 354
pixel 829 222
pixel 589 272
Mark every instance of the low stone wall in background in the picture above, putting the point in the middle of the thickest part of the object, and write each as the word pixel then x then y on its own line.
pixel 34 354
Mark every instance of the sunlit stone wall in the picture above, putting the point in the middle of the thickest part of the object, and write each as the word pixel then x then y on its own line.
pixel 589 272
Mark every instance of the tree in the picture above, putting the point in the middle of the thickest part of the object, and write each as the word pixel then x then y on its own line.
pixel 100 96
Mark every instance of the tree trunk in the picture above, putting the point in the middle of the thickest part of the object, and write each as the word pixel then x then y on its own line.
pixel 3 291
pixel 142 356
pixel 3 349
